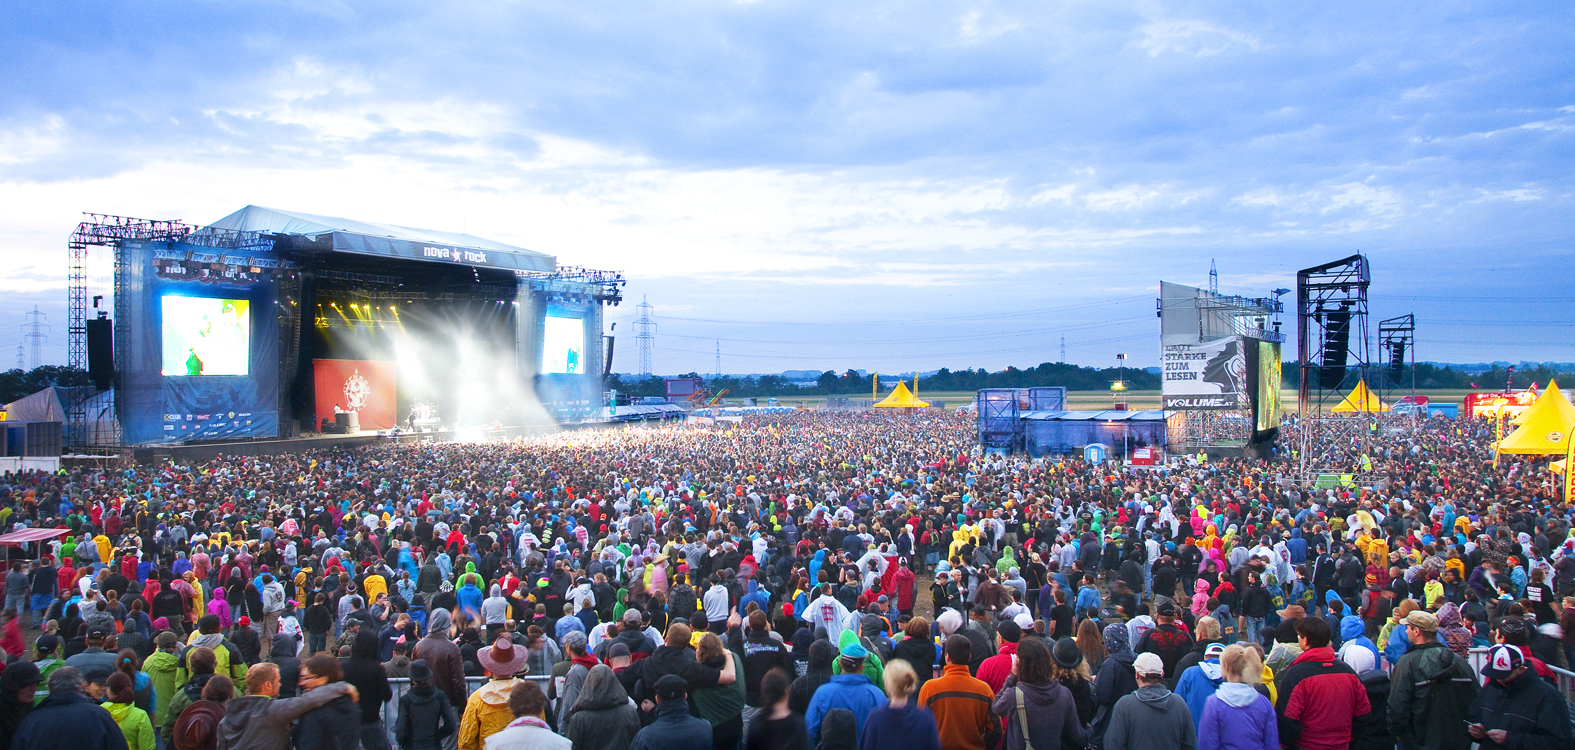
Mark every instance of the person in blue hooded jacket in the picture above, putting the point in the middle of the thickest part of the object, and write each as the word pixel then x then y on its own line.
pixel 755 595
pixel 852 690
pixel 469 600
pixel 1087 598
pixel 1335 614
pixel 1200 681
pixel 1359 651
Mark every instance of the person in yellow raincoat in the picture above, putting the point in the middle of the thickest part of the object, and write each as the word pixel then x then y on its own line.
pixel 1378 552
pixel 199 598
pixel 105 547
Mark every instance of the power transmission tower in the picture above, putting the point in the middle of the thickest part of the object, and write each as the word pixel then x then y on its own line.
pixel 35 331
pixel 1063 349
pixel 645 335
pixel 1214 278
pixel 719 358
pixel 21 357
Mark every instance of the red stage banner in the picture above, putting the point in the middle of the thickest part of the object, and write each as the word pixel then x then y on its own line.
pixel 364 387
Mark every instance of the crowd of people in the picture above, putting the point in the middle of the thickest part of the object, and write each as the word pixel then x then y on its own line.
pixel 792 581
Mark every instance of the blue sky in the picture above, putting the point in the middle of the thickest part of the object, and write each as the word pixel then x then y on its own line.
pixel 888 186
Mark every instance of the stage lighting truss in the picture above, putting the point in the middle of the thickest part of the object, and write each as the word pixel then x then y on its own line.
pixel 603 287
pixel 1396 350
pixel 109 231
pixel 1331 327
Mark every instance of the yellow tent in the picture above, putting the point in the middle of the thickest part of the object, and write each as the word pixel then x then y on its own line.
pixel 902 398
pixel 1545 428
pixel 1360 399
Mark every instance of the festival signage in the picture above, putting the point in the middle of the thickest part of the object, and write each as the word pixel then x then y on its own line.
pixel 1210 375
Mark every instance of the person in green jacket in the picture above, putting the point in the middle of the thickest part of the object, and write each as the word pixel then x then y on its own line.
pixel 161 666
pixel 120 700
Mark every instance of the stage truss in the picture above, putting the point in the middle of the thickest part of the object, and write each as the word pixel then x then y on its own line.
pixel 1397 345
pixel 1333 355
pixel 106 230
pixel 1191 430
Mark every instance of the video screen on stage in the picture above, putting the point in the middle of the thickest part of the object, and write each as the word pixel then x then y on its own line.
pixel 1269 378
pixel 205 336
pixel 563 346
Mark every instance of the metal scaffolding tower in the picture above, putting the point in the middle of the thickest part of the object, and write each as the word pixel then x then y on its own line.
pixel 1334 353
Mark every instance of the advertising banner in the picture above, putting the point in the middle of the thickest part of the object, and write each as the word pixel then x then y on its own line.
pixel 364 387
pixel 1211 375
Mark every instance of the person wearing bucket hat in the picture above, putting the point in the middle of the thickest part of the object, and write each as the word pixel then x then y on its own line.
pixel 1071 670
pixel 487 709
pixel 1516 708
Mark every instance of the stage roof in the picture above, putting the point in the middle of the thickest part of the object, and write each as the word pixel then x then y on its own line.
pixel 390 240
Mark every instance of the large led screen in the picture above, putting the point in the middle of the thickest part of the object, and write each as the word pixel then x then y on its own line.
pixel 1269 377
pixel 205 336
pixel 563 346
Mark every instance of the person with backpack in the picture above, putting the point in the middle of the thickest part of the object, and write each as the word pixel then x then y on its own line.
pixel 1430 690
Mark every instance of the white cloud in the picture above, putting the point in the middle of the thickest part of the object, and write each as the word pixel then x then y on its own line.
pixel 1194 38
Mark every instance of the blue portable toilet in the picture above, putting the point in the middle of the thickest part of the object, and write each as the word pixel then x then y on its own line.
pixel 1096 453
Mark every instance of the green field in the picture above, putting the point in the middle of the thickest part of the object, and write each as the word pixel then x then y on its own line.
pixel 1089 400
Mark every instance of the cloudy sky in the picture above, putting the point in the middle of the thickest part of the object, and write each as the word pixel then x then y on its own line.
pixel 889 186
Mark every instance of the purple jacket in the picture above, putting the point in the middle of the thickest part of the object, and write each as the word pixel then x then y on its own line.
pixel 1238 717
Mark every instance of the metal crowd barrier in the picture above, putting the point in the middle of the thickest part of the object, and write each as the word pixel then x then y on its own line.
pixel 401 685
pixel 1565 679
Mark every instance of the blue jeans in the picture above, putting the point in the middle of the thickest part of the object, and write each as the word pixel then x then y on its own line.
pixel 41 604
pixel 1254 629
pixel 316 642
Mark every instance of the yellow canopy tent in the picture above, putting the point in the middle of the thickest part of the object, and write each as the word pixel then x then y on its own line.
pixel 902 398
pixel 1545 428
pixel 1360 399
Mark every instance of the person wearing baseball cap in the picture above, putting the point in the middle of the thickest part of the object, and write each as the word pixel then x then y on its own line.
pixel 1516 708
pixel 1151 716
pixel 1433 687
pixel 1165 638
pixel 1200 681
pixel 852 690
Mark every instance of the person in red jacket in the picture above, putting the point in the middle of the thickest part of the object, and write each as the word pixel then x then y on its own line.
pixel 1319 695
pixel 902 583
pixel 996 669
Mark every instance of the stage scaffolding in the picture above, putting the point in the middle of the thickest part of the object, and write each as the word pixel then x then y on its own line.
pixel 1333 356
pixel 1190 316
pixel 81 434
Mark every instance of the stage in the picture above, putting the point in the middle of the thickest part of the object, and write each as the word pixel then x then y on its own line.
pixel 265 324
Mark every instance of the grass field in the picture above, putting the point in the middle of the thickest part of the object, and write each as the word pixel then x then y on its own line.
pixel 1092 400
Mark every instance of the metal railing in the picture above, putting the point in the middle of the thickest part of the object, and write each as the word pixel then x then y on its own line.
pixel 401 685
pixel 1563 678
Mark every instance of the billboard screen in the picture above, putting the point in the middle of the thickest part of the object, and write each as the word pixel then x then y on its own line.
pixel 1211 375
pixel 563 345
pixel 205 336
pixel 1270 378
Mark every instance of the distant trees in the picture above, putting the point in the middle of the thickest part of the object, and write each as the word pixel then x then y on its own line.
pixel 851 383
pixel 15 384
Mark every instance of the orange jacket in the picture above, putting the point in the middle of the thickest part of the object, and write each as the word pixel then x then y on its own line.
pixel 961 705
